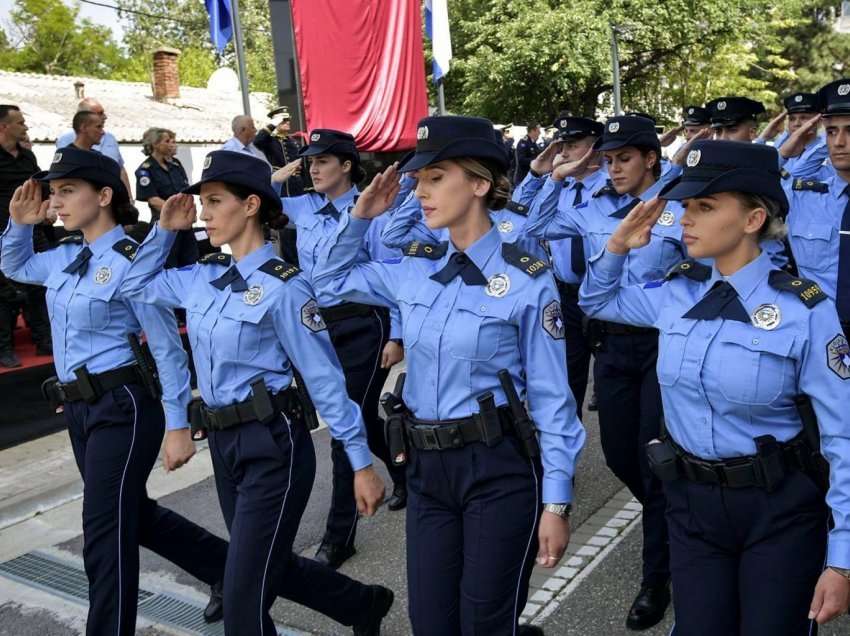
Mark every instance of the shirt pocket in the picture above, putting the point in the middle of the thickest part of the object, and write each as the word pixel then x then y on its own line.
pixel 414 305
pixel 247 332
pixel 478 326
pixel 672 344
pixel 89 308
pixel 665 249
pixel 758 365
pixel 53 286
pixel 197 306
pixel 811 244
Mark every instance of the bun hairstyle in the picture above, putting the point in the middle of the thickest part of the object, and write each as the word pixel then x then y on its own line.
pixel 267 214
pixel 774 226
pixel 358 174
pixel 500 186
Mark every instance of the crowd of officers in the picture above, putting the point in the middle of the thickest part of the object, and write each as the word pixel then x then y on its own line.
pixel 711 288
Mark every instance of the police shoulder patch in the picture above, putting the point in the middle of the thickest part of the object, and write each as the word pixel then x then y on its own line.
pixel 690 269
pixel 311 316
pixel 434 251
pixel 127 248
pixel 517 208
pixel 808 291
pixel 813 186
pixel 280 269
pixel 531 265
pixel 553 320
pixel 838 356
pixel 146 164
pixel 71 239
pixel 608 188
pixel 216 258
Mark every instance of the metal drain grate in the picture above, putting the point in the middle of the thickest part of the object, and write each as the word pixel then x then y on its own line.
pixel 66 579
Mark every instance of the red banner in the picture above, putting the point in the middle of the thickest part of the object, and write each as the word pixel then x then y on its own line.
pixel 362 69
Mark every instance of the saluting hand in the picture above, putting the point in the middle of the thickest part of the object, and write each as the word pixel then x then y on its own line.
pixel 289 170
pixel 179 448
pixel 831 598
pixel 588 161
pixel 542 163
pixel 26 206
pixel 178 213
pixel 554 537
pixel 368 490
pixel 679 158
pixel 774 127
pixel 670 136
pixel 635 231
pixel 796 142
pixel 377 198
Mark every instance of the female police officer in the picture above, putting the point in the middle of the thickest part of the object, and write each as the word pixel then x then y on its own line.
pixel 251 318
pixel 744 348
pixel 470 308
pixel 110 396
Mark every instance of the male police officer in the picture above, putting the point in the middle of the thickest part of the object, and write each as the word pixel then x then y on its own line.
pixel 526 150
pixel 280 149
pixel 735 118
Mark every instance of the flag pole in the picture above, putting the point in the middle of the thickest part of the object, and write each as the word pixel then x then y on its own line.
pixel 240 57
pixel 441 97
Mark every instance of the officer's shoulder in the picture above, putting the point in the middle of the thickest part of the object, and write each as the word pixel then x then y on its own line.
pixel 127 247
pixel 71 239
pixel 810 185
pixel 606 190
pixel 279 269
pixel 519 258
pixel 432 251
pixel 690 269
pixel 807 291
pixel 145 165
pixel 517 208
pixel 216 258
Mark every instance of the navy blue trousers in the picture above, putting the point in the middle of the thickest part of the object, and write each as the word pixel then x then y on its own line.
pixel 264 474
pixel 630 415
pixel 578 347
pixel 472 518
pixel 744 561
pixel 359 343
pixel 116 441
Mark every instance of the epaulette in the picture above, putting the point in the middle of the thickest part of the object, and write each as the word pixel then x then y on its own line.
pixel 517 208
pixel 127 248
pixel 279 269
pixel 814 186
pixel 146 164
pixel 71 239
pixel 434 251
pixel 608 188
pixel 531 265
pixel 808 291
pixel 690 269
pixel 784 173
pixel 216 258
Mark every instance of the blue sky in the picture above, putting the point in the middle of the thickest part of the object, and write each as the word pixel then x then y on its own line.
pixel 100 15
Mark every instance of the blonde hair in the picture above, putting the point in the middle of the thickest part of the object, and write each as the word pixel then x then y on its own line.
pixel 774 225
pixel 500 187
pixel 153 136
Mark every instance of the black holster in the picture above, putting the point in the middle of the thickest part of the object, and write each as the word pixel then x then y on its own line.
pixel 395 412
pixel 148 374
pixel 662 459
pixel 50 392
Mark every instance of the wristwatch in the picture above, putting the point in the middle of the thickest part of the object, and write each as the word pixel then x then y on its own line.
pixel 845 572
pixel 563 510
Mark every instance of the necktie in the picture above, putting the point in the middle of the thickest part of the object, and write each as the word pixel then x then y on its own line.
pixel 578 262
pixel 623 211
pixel 330 210
pixel 460 263
pixel 231 277
pixel 80 263
pixel 842 293
pixel 721 302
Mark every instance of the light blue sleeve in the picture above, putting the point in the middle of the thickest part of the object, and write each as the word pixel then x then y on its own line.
pixel 527 190
pixel 405 224
pixel 601 295
pixel 296 207
pixel 546 220
pixel 147 282
pixel 380 252
pixel 65 139
pixel 313 355
pixel 19 261
pixel 109 147
pixel 809 163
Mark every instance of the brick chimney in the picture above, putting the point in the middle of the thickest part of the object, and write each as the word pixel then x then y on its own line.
pixel 166 76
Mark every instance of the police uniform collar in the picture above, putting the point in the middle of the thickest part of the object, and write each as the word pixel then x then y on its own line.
pixel 747 279
pixel 480 251
pixel 249 263
pixel 838 186
pixel 344 200
pixel 103 243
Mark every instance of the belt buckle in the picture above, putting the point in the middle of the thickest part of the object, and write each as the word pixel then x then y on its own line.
pixel 429 436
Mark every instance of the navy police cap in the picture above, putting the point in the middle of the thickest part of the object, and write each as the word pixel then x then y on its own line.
pixel 801 103
pixel 628 130
pixel 714 166
pixel 327 141
pixel 241 169
pixel 728 111
pixel 452 137
pixel 834 98
pixel 71 162
pixel 577 127
pixel 695 116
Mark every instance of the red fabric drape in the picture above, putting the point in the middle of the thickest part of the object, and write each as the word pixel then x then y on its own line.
pixel 362 69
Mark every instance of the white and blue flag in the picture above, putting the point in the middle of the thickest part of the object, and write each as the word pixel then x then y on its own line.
pixel 437 30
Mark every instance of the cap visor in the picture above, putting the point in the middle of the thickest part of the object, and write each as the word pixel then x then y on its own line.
pixel 678 190
pixel 418 161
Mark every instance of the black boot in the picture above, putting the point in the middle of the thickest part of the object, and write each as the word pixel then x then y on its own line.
pixel 214 611
pixel 649 607
pixel 398 500
pixel 334 555
pixel 382 601
pixel 529 630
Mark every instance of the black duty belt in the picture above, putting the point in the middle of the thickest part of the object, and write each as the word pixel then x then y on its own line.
pixel 568 290
pixel 90 386
pixel 346 310
pixel 454 434
pixel 617 329
pixel 250 410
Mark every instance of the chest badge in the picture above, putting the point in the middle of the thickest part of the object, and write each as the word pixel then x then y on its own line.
pixel 838 356
pixel 145 181
pixel 102 275
pixel 667 218
pixel 553 320
pixel 498 285
pixel 311 316
pixel 253 295
pixel 506 227
pixel 766 317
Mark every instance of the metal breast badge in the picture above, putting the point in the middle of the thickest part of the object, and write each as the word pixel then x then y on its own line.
pixel 766 317
pixel 505 227
pixel 667 218
pixel 253 295
pixel 102 275
pixel 498 285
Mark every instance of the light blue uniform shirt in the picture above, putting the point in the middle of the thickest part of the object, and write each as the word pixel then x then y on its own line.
pixel 108 145
pixel 725 382
pixel 457 338
pixel 315 229
pixel 91 316
pixel 808 163
pixel 238 338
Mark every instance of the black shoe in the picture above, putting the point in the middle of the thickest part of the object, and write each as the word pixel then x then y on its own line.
pixel 529 630
pixel 9 360
pixel 398 500
pixel 649 607
pixel 334 555
pixel 214 611
pixel 382 601
pixel 593 403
